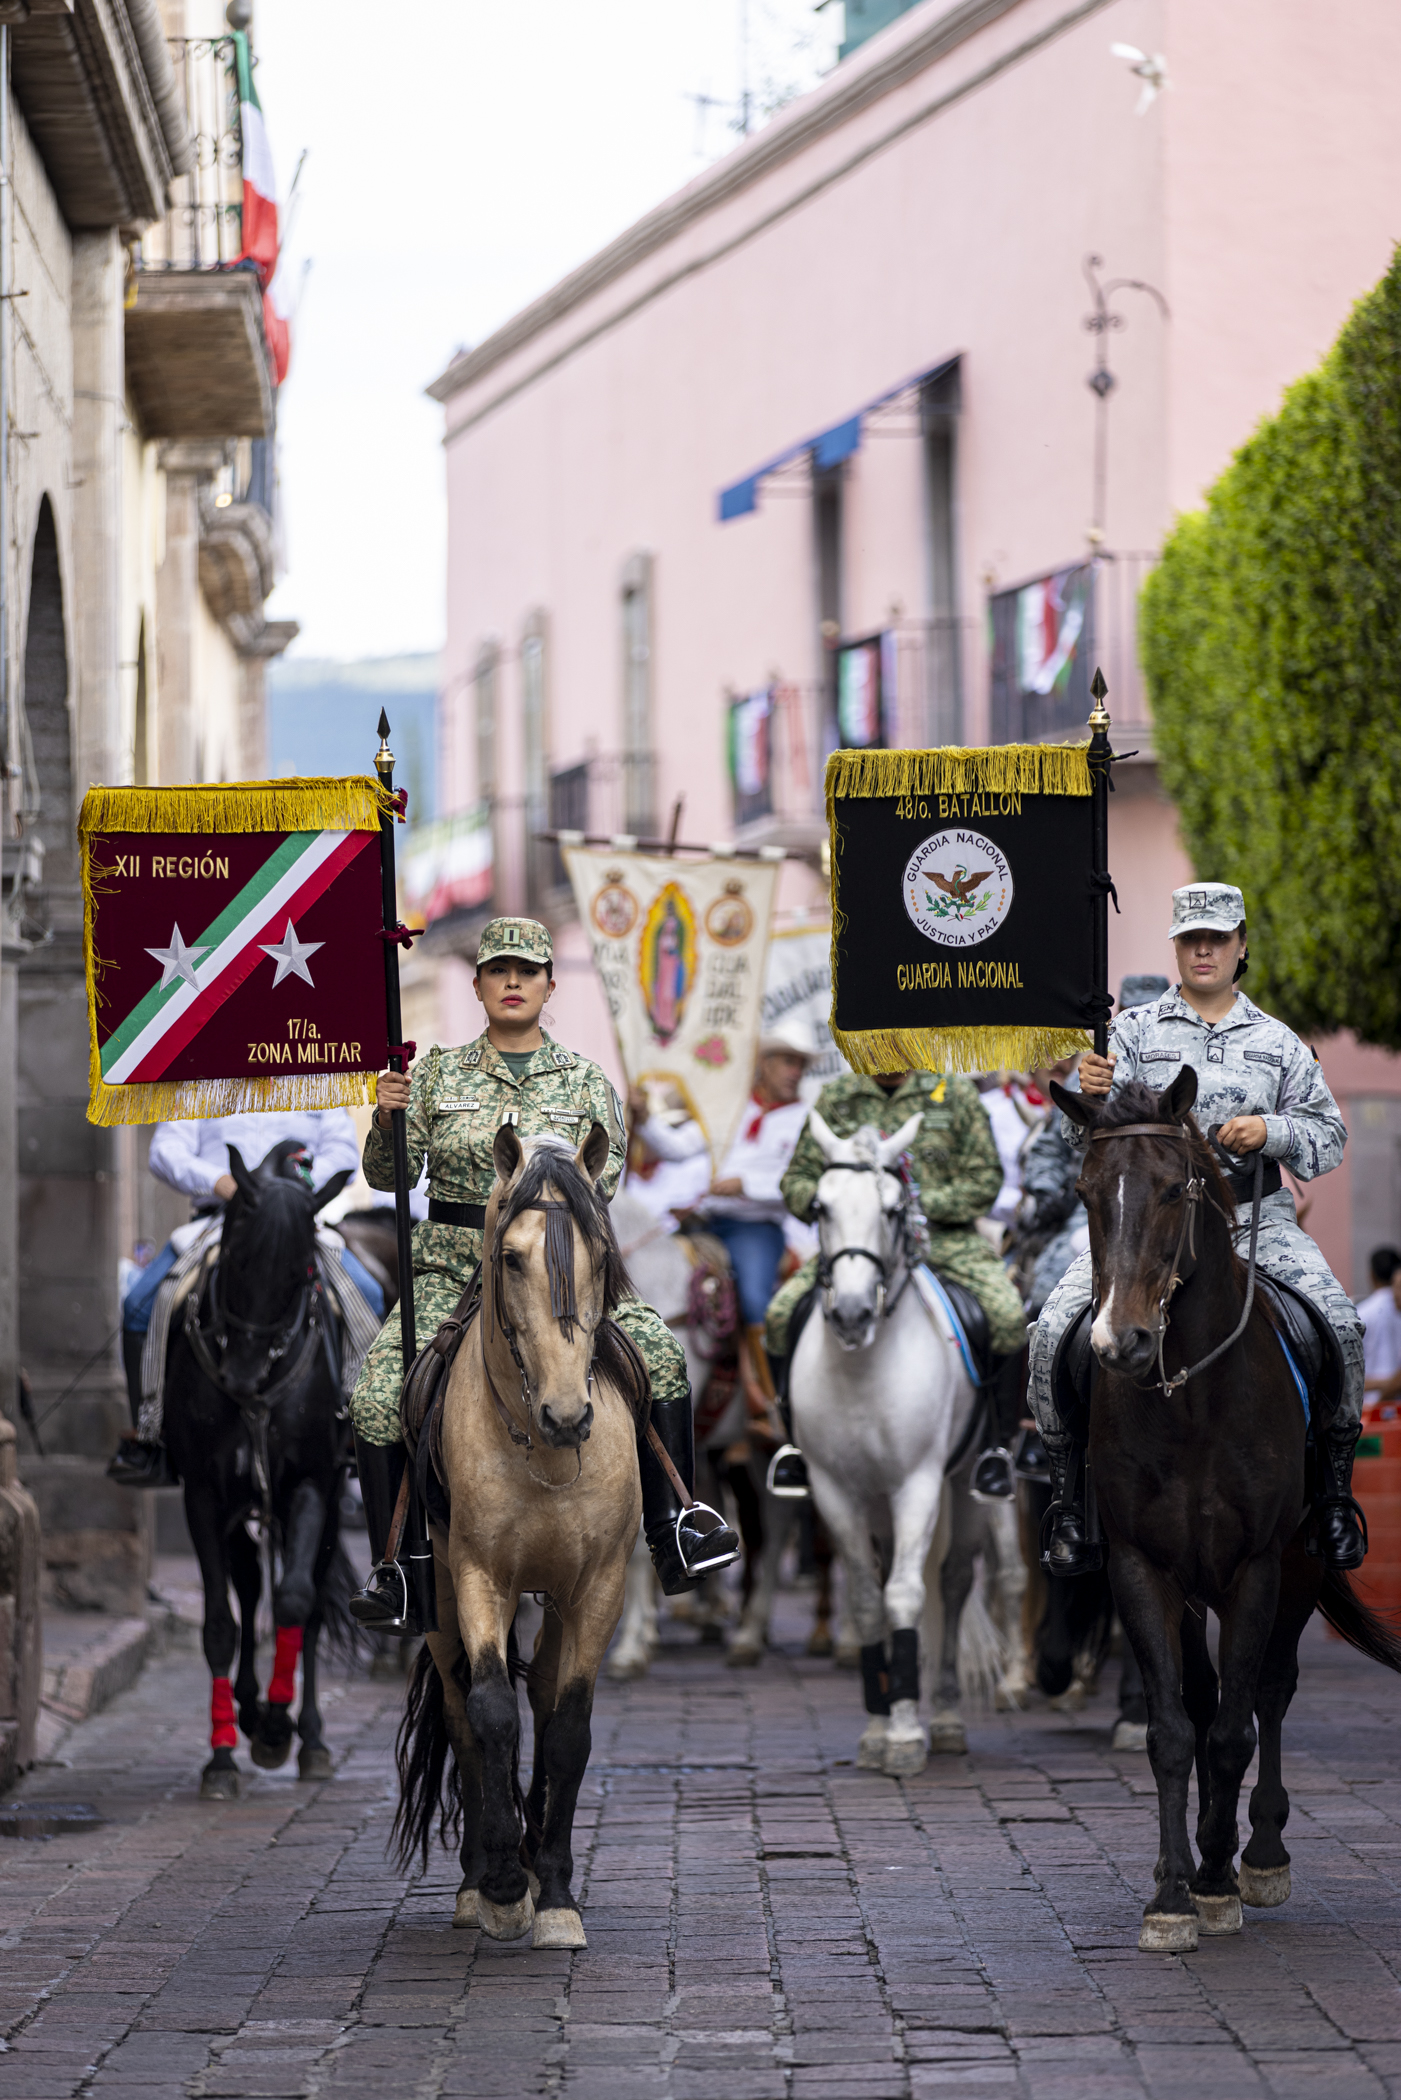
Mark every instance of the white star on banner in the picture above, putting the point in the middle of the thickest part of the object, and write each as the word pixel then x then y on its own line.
pixel 290 955
pixel 177 960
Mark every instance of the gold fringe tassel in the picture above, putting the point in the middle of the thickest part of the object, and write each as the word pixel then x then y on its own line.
pixel 354 803
pixel 170 1100
pixel 958 1049
pixel 954 769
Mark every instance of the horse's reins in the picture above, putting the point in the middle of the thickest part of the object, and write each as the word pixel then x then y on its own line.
pixel 1195 1193
pixel 825 1262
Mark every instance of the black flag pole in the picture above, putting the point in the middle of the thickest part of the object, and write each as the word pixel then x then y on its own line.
pixel 420 1551
pixel 1100 759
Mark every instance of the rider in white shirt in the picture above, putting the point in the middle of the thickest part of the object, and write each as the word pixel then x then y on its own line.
pixel 677 1174
pixel 1381 1322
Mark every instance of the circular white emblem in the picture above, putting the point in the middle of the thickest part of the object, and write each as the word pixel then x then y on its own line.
pixel 958 888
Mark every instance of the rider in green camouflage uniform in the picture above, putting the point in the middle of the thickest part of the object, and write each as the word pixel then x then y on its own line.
pixel 958 1173
pixel 458 1101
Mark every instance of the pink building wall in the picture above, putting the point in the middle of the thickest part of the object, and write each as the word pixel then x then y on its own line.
pixel 935 197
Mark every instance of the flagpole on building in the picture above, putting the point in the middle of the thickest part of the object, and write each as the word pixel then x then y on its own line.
pixel 420 1551
pixel 1100 759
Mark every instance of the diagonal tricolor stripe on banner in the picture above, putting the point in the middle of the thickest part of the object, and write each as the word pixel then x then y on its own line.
pixel 303 867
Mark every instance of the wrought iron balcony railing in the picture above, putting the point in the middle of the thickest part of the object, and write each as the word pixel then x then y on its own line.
pixel 203 226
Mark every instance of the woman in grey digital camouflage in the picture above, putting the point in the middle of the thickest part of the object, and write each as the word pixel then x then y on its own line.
pixel 1267 1091
pixel 457 1100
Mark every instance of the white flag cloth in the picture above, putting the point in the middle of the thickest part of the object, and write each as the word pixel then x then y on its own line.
pixel 679 947
pixel 798 997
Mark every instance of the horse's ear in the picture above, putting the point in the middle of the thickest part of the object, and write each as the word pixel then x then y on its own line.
pixel 892 1147
pixel 507 1153
pixel 1175 1101
pixel 329 1190
pixel 1073 1105
pixel 828 1143
pixel 247 1186
pixel 592 1155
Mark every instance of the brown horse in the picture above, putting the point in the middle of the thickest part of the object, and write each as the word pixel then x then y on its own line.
pixel 1203 1488
pixel 539 1459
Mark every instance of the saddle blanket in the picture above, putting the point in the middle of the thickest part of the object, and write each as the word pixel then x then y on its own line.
pixel 940 1308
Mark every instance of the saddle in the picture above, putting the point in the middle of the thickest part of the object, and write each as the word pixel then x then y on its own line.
pixel 1307 1338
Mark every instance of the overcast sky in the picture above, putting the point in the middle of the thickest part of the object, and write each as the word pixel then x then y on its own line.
pixel 461 155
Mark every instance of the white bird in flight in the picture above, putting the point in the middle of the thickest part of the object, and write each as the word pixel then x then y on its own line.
pixel 1152 71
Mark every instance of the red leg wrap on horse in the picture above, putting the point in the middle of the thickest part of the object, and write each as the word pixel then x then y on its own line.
pixel 222 1733
pixel 283 1688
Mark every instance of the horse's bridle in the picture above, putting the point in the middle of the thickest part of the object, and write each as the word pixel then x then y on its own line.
pixel 563 1307
pixel 886 1301
pixel 1195 1193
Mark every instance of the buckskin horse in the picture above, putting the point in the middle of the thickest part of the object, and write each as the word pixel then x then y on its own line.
pixel 1197 1448
pixel 253 1425
pixel 534 1445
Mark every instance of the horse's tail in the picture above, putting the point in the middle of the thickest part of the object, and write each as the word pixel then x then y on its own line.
pixel 338 1586
pixel 429 1783
pixel 1357 1623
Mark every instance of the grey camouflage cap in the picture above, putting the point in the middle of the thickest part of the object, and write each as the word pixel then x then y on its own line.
pixel 1140 991
pixel 1206 907
pixel 524 937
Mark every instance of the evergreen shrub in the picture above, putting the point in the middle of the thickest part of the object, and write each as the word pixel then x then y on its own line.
pixel 1271 640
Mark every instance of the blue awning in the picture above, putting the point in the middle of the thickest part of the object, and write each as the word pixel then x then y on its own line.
pixel 827 449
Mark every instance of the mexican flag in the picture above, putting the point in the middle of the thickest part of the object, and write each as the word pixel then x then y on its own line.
pixel 259 202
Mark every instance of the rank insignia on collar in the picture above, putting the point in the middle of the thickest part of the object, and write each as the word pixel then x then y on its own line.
pixel 564 1059
pixel 473 1057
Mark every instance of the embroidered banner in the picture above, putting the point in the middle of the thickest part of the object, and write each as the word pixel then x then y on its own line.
pixel 962 906
pixel 231 936
pixel 679 949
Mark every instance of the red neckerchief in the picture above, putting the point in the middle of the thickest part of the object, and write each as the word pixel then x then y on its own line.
pixel 751 1130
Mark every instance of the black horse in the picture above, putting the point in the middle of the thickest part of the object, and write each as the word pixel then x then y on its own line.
pixel 1203 1483
pixel 254 1425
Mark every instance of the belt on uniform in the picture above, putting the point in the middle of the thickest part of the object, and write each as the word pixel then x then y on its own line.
pixel 1241 1183
pixel 471 1216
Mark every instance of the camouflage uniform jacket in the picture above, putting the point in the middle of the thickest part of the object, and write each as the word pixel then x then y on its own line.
pixel 956 1166
pixel 1247 1065
pixel 458 1101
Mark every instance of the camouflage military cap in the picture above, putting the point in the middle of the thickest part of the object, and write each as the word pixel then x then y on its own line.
pixel 1206 907
pixel 524 937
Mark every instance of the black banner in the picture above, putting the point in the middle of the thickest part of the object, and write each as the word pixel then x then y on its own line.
pixel 963 923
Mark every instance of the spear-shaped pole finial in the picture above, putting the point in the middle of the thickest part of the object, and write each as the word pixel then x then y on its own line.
pixel 1099 713
pixel 384 757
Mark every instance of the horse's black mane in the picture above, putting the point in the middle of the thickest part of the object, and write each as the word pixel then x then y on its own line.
pixel 550 1174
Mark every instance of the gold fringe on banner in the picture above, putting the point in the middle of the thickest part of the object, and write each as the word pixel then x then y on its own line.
pixel 953 769
pixel 958 1049
pixel 355 803
pixel 173 1100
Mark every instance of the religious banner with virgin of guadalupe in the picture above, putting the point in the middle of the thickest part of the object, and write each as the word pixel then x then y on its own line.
pixel 679 948
pixel 963 903
pixel 232 936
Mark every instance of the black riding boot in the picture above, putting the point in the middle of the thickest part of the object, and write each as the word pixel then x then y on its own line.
pixel 787 1476
pixel 385 1605
pixel 1068 1548
pixel 136 1464
pixel 684 1543
pixel 1342 1528
pixel 994 1479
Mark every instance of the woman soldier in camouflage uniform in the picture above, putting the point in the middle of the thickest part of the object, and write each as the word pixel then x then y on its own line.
pixel 457 1100
pixel 1267 1092
pixel 958 1174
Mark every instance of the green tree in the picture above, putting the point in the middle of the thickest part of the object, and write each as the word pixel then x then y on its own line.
pixel 1271 637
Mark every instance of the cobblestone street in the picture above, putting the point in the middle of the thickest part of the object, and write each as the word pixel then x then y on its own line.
pixel 763 1919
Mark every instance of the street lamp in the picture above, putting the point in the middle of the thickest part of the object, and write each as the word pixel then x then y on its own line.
pixel 1101 381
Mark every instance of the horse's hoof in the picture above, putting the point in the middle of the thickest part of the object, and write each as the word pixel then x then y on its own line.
pixel 870 1751
pixel 904 1756
pixel 743 1655
pixel 1130 1735
pixel 819 1643
pixel 847 1655
pixel 559 1928
pixel 947 1736
pixel 1070 1701
pixel 1164 1933
pixel 626 1669
pixel 509 1921
pixel 465 1917
pixel 1263 1888
pixel 269 1757
pixel 221 1782
pixel 314 1762
pixel 1009 1699
pixel 1217 1915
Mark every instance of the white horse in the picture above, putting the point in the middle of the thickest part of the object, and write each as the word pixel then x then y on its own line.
pixel 880 1401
